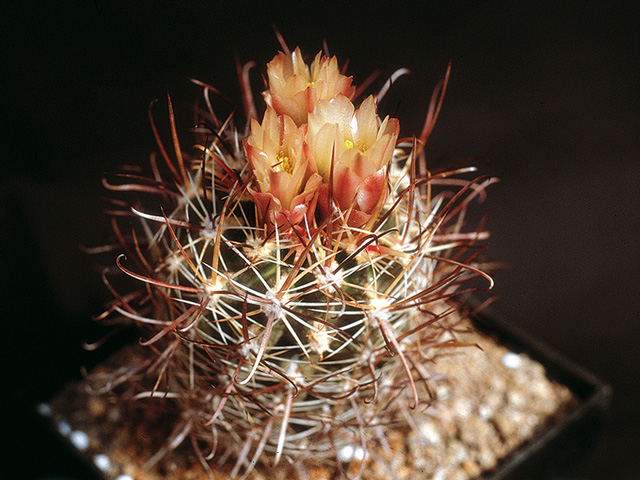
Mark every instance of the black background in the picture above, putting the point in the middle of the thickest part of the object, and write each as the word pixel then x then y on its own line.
pixel 546 94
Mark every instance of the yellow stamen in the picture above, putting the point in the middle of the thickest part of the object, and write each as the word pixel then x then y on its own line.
pixel 284 163
pixel 359 145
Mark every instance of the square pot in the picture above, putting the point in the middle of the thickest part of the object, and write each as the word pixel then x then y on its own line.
pixel 557 441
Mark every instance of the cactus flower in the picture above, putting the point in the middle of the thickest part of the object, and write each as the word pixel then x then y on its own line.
pixel 285 184
pixel 361 148
pixel 295 88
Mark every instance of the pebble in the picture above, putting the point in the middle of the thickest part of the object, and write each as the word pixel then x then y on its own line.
pixel 472 469
pixel 462 408
pixel 485 411
pixel 440 474
pixel 516 399
pixel 44 409
pixel 430 433
pixel 63 427
pixel 349 453
pixel 460 452
pixel 102 462
pixel 486 458
pixel 97 406
pixel 80 440
pixel 512 360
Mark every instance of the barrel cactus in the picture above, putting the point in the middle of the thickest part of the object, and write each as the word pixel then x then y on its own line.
pixel 298 273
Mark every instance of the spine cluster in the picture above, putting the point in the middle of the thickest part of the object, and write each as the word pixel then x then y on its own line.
pixel 297 277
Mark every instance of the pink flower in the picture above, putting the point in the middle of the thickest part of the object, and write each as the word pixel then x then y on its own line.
pixel 295 88
pixel 361 148
pixel 286 186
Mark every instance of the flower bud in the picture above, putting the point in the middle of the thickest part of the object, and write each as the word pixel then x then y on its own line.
pixel 295 88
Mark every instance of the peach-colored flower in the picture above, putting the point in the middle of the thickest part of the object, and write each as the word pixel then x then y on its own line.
pixel 286 186
pixel 295 88
pixel 361 148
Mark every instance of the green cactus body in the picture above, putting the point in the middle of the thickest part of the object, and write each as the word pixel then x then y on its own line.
pixel 293 344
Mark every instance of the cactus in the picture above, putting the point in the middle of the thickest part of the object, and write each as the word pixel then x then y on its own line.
pixel 298 275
